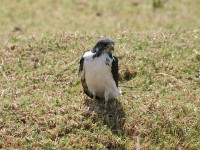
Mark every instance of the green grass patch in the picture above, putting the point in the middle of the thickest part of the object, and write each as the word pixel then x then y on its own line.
pixel 42 105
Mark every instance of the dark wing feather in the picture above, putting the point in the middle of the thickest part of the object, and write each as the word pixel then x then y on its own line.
pixel 115 70
pixel 81 65
pixel 85 88
pixel 83 81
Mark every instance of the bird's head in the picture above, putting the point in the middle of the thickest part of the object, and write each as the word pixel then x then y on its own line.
pixel 104 45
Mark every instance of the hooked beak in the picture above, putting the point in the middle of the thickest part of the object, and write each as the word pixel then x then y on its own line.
pixel 112 47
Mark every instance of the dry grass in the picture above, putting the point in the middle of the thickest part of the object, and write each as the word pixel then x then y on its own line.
pixel 42 104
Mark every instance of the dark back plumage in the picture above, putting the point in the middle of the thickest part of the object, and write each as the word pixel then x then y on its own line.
pixel 104 45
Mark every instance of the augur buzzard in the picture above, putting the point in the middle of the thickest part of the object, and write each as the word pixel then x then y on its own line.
pixel 99 71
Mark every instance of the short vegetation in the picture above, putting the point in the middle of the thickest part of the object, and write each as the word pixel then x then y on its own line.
pixel 42 105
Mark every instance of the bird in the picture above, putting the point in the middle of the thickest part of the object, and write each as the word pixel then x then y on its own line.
pixel 99 71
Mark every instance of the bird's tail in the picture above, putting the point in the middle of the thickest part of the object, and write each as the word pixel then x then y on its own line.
pixel 119 91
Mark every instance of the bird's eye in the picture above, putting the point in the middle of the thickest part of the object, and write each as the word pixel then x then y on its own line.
pixel 105 44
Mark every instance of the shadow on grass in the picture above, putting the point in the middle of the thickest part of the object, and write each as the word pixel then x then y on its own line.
pixel 113 116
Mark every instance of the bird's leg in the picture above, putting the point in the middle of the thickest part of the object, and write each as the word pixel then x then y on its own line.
pixel 106 99
pixel 94 95
pixel 115 103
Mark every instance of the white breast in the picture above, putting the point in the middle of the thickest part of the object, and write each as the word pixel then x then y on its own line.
pixel 98 75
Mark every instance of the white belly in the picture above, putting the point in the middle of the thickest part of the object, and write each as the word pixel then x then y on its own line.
pixel 99 78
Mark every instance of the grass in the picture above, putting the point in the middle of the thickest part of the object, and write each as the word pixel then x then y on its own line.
pixel 42 101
